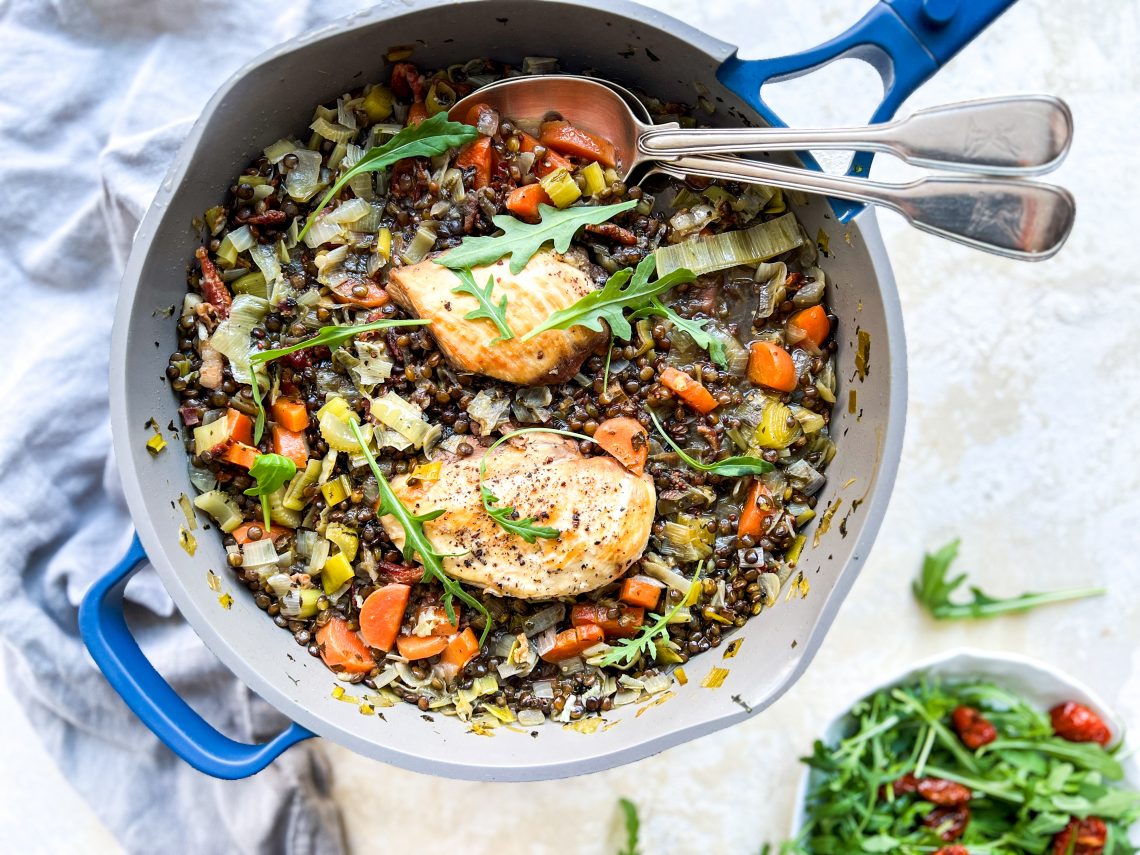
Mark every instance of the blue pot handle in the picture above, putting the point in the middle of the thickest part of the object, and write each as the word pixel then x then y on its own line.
pixel 906 41
pixel 150 697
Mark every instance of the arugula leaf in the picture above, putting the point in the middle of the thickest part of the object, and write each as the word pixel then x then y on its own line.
pixel 271 471
pixel 496 314
pixel 632 827
pixel 504 516
pixel 522 240
pixel 626 289
pixel 417 546
pixel 730 467
pixel 933 591
pixel 695 329
pixel 430 137
pixel 332 337
pixel 624 652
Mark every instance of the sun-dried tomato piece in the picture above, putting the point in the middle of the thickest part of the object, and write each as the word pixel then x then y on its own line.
pixel 1077 723
pixel 1086 837
pixel 400 573
pixel 613 231
pixel 406 81
pixel 949 823
pixel 944 793
pixel 974 729
pixel 266 218
pixel 953 850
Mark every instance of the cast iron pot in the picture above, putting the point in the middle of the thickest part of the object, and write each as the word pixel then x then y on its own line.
pixel 905 40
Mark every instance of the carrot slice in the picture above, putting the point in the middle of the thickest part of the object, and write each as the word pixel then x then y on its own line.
pixel 571 642
pixel 688 390
pixel 382 614
pixel 770 365
pixel 239 426
pixel 549 162
pixel 241 533
pixel 291 444
pixel 625 625
pixel 523 201
pixel 342 649
pixel 290 413
pixel 461 649
pixel 420 647
pixel 814 323
pixel 564 138
pixel 373 298
pixel 757 511
pixel 477 112
pixel 240 454
pixel 640 592
pixel 477 153
pixel 438 617
pixel 626 440
pixel 417 113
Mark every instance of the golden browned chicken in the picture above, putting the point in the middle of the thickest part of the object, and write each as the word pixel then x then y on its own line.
pixel 602 510
pixel 544 286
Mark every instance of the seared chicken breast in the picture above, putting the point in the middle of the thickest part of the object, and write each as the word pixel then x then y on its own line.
pixel 544 286
pixel 603 511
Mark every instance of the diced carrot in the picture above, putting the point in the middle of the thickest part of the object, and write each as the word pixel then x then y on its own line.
pixel 642 592
pixel 813 322
pixel 382 614
pixel 770 365
pixel 478 111
pixel 438 616
pixel 238 426
pixel 571 642
pixel 757 511
pixel 241 533
pixel 564 138
pixel 477 153
pixel 417 113
pixel 625 625
pixel 373 298
pixel 290 413
pixel 461 649
pixel 342 649
pixel 523 201
pixel 625 439
pixel 240 454
pixel 291 444
pixel 420 647
pixel 549 162
pixel 688 390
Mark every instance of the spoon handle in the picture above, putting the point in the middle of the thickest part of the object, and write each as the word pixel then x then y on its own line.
pixel 1018 219
pixel 1015 135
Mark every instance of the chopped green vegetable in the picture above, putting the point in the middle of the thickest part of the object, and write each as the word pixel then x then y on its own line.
pixel 728 249
pixel 495 313
pixel 694 329
pixel 271 472
pixel 222 507
pixel 430 137
pixel 332 337
pixel 561 188
pixel 626 289
pixel 632 822
pixel 522 240
pixel 730 467
pixel 933 590
pixel 626 651
pixel 417 546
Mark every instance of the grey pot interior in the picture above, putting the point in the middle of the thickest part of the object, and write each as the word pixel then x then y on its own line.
pixel 275 96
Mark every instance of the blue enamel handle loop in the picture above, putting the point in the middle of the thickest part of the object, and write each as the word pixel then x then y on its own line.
pixel 104 630
pixel 905 41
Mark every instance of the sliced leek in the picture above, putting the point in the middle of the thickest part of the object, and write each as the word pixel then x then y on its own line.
pixel 749 246
pixel 220 506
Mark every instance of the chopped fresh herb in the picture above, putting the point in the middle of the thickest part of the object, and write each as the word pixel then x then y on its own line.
pixel 496 314
pixel 522 240
pixel 430 137
pixel 632 828
pixel 625 651
pixel 332 337
pixel 933 590
pixel 695 329
pixel 730 467
pixel 626 289
pixel 505 515
pixel 417 546
pixel 270 471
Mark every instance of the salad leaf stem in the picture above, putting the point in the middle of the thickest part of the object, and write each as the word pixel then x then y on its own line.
pixel 730 467
pixel 632 828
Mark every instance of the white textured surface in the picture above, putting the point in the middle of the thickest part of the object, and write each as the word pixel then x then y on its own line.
pixel 1021 439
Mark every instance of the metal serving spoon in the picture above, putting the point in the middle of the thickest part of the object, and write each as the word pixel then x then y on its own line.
pixel 1018 219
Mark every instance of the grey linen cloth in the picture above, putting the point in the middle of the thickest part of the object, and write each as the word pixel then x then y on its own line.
pixel 95 99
